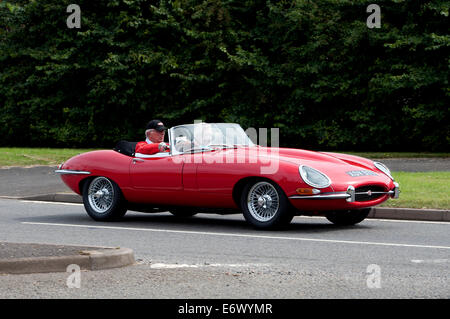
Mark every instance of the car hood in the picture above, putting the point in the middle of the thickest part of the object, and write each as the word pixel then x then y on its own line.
pixel 305 157
pixel 340 168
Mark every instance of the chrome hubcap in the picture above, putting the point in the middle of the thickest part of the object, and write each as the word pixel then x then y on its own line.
pixel 101 194
pixel 263 201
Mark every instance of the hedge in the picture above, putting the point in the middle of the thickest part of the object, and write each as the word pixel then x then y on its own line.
pixel 314 69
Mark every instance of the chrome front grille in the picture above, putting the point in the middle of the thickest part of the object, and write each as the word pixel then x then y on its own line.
pixel 369 192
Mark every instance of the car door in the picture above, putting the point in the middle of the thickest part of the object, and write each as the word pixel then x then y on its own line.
pixel 214 179
pixel 156 178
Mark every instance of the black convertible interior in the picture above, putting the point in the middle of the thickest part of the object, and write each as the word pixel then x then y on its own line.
pixel 125 147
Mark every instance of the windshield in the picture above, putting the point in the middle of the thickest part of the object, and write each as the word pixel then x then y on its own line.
pixel 205 136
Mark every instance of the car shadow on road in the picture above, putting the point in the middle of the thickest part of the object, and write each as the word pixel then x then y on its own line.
pixel 200 222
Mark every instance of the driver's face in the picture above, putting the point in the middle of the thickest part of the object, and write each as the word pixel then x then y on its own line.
pixel 156 136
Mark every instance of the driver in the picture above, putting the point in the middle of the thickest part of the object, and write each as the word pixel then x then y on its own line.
pixel 154 141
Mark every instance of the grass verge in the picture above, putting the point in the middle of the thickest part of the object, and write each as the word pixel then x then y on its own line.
pixel 422 190
pixel 17 156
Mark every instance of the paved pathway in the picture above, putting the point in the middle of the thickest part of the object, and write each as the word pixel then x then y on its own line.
pixel 417 164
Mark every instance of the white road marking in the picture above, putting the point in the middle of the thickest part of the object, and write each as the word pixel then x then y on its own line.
pixel 174 266
pixel 241 235
pixel 430 261
pixel 171 266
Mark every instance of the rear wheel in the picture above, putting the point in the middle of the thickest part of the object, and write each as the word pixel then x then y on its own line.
pixel 265 205
pixel 103 199
pixel 348 217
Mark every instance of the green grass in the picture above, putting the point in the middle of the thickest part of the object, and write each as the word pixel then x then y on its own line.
pixel 16 156
pixel 422 190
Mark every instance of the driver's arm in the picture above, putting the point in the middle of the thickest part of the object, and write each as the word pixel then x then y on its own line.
pixel 149 149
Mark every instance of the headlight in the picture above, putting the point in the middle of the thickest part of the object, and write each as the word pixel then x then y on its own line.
pixel 313 177
pixel 383 168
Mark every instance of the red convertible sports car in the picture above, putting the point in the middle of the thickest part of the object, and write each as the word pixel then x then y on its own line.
pixel 215 167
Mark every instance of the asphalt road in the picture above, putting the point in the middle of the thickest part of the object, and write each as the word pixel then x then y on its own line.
pixel 211 256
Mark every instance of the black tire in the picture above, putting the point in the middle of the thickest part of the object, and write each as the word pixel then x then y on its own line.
pixel 183 212
pixel 108 205
pixel 348 217
pixel 278 209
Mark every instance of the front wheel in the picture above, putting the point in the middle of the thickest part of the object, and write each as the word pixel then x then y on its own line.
pixel 265 205
pixel 348 217
pixel 103 199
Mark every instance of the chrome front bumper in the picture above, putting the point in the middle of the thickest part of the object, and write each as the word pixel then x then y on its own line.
pixel 349 195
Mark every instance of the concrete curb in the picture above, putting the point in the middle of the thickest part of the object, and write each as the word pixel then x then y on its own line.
pixel 376 212
pixel 410 214
pixel 56 197
pixel 87 260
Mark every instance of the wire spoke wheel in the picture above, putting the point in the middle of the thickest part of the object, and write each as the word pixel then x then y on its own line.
pixel 263 201
pixel 103 199
pixel 101 195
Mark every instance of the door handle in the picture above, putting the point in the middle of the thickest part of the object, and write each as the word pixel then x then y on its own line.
pixel 135 160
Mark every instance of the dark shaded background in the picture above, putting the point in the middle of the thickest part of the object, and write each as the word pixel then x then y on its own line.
pixel 312 68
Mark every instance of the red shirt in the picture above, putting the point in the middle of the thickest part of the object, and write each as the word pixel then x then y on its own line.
pixel 148 148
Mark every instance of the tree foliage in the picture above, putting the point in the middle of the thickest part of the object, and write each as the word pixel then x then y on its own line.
pixel 312 68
